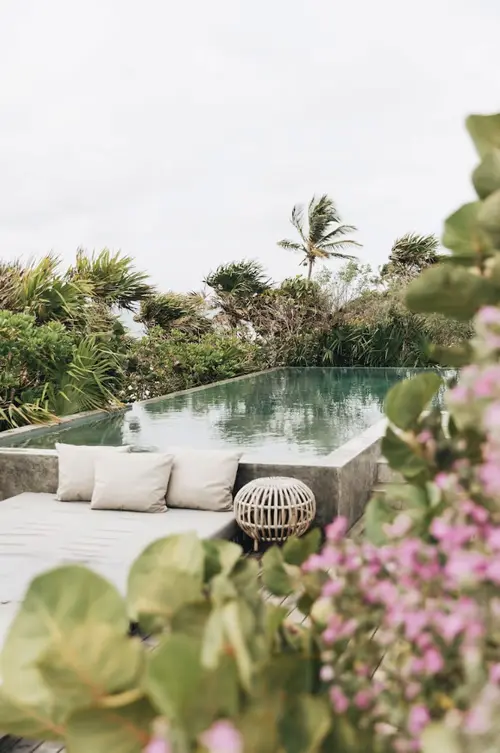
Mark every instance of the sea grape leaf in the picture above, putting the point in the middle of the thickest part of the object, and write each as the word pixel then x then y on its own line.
pixel 276 575
pixel 461 232
pixel 450 290
pixel 297 550
pixel 485 132
pixel 486 176
pixel 167 575
pixel 111 730
pixel 406 400
pixel 400 455
pixel 59 605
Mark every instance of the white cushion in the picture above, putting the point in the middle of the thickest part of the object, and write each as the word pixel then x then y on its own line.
pixel 136 482
pixel 203 479
pixel 77 469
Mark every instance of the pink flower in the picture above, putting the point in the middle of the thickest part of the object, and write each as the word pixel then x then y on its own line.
pixel 157 745
pixel 494 538
pixel 337 530
pixel 495 674
pixel 493 570
pixel 400 527
pixel 433 661
pixel 458 394
pixel 489 474
pixel 362 699
pixel 451 625
pixel 333 587
pixel 326 673
pixel 488 315
pixel 339 700
pixel 222 737
pixel 424 436
pixel 442 480
pixel 418 719
pixel 412 690
pixel 491 419
pixel 478 721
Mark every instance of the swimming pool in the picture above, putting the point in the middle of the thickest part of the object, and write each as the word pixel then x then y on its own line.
pixel 276 415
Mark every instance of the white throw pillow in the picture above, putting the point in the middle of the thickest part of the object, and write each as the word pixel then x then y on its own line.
pixel 203 479
pixel 137 482
pixel 77 469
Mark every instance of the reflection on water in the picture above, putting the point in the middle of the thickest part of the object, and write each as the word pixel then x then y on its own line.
pixel 272 415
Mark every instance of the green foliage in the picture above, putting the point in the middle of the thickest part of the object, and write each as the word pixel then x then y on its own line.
pixel 70 671
pixel 411 254
pixel 175 311
pixel 111 278
pixel 322 236
pixel 418 444
pixel 159 364
pixel 236 287
pixel 407 400
pixel 48 370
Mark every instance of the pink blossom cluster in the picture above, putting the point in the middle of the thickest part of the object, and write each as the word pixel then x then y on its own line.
pixel 400 623
pixel 221 737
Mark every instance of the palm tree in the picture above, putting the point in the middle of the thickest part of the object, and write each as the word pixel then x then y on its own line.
pixel 112 278
pixel 175 311
pixel 410 254
pixel 322 236
pixel 235 286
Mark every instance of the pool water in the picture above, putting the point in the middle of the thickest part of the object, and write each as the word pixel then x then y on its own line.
pixel 273 415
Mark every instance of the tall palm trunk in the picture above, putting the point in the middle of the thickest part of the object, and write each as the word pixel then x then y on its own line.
pixel 310 268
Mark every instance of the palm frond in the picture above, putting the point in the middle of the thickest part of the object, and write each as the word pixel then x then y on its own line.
pixel 112 278
pixel 244 278
pixel 410 254
pixel 90 382
pixel 322 214
pixel 292 246
pixel 297 220
pixel 338 231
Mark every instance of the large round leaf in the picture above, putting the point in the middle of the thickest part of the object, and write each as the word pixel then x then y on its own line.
pixel 461 232
pixel 40 722
pixel 486 176
pixel 489 217
pixel 122 730
pixel 406 400
pixel 485 132
pixel 92 664
pixel 450 290
pixel 62 609
pixel 185 692
pixel 166 576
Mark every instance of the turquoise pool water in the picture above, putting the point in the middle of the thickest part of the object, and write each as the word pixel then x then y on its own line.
pixel 275 415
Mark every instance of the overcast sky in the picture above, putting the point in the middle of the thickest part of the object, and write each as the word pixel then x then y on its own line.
pixel 183 132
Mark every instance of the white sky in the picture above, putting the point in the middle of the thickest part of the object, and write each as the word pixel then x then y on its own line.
pixel 183 132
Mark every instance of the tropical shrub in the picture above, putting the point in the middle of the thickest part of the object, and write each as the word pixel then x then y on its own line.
pixel 31 358
pixel 236 288
pixel 175 311
pixel 47 371
pixel 62 346
pixel 160 363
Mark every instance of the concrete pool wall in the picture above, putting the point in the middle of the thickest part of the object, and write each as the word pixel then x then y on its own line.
pixel 341 481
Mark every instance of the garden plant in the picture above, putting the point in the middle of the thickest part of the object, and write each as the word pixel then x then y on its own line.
pixel 400 648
